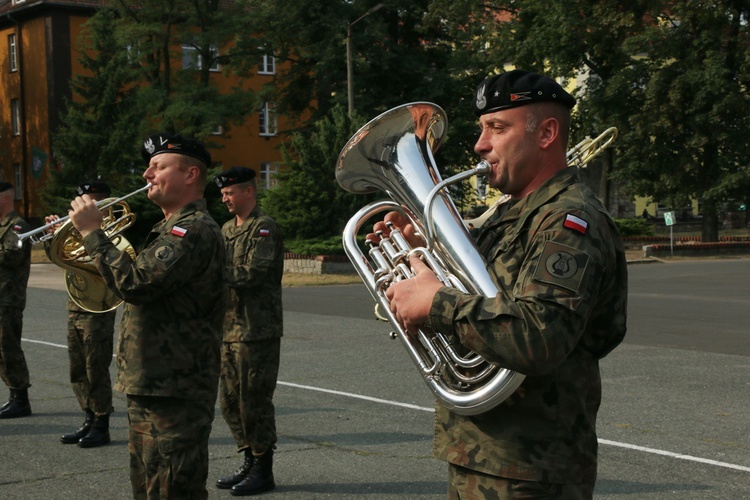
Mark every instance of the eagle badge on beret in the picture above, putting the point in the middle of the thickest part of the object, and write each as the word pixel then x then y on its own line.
pixel 481 100
pixel 148 145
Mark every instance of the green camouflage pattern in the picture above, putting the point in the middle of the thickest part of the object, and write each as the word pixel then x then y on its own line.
pixel 15 266
pixel 255 256
pixel 561 306
pixel 175 299
pixel 15 263
pixel 469 484
pixel 248 379
pixel 168 445
pixel 90 341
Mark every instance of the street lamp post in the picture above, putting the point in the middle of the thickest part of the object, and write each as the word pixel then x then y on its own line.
pixel 349 76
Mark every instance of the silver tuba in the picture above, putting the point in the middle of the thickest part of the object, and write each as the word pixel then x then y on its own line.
pixel 393 153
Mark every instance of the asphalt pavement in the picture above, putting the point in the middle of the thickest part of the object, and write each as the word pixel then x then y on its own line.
pixel 355 419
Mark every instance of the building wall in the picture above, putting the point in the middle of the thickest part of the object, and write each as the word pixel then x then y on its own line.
pixel 48 58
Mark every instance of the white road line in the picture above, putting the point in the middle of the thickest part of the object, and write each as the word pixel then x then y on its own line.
pixel 607 442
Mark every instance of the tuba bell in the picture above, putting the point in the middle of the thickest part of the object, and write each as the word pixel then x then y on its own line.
pixel 393 153
pixel 84 284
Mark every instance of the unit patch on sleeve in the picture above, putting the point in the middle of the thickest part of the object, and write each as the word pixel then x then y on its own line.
pixel 561 265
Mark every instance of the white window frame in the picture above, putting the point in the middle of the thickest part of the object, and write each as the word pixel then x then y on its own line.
pixel 16 2
pixel 13 52
pixel 218 131
pixel 15 117
pixel 268 175
pixel 192 59
pixel 268 124
pixel 267 65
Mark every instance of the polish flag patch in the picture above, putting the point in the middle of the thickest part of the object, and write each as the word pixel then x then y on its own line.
pixel 575 223
pixel 16 228
pixel 178 231
pixel 264 232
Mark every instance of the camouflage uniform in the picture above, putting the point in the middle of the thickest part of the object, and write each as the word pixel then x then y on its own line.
pixel 168 348
pixel 90 340
pixel 15 265
pixel 252 330
pixel 561 271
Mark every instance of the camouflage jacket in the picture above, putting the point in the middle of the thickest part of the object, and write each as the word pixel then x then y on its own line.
pixel 255 256
pixel 561 272
pixel 175 298
pixel 15 263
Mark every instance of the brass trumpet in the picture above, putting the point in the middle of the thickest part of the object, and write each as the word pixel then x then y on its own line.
pixel 33 235
pixel 84 284
pixel 587 149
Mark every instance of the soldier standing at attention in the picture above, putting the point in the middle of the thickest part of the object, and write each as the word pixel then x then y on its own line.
pixel 561 272
pixel 15 265
pixel 90 339
pixel 175 299
pixel 252 331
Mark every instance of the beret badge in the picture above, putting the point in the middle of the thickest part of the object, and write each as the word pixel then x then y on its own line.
pixel 481 100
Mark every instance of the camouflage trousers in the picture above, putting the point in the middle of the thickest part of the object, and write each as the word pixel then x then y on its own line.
pixel 13 368
pixel 248 379
pixel 90 339
pixel 168 444
pixel 467 484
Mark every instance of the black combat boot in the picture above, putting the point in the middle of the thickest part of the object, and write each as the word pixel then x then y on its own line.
pixel 73 437
pixel 259 479
pixel 10 398
pixel 98 433
pixel 18 405
pixel 227 482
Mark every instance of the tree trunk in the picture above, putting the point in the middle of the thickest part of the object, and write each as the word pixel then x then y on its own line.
pixel 710 226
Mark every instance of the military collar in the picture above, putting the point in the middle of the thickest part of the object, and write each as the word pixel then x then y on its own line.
pixel 523 207
pixel 192 207
pixel 8 218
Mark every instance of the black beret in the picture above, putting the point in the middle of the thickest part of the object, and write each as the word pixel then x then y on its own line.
pixel 4 186
pixel 235 175
pixel 93 187
pixel 517 88
pixel 168 143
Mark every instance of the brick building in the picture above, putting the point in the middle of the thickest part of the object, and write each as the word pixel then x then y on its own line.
pixel 38 58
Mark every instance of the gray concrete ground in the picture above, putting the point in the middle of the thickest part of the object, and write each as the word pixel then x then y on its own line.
pixel 355 419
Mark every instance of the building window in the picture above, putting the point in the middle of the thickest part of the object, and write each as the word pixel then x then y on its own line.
pixel 16 2
pixel 218 130
pixel 17 180
pixel 192 59
pixel 268 175
pixel 268 119
pixel 15 117
pixel 267 65
pixel 12 53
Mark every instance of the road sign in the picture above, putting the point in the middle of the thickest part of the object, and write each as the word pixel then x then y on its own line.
pixel 669 218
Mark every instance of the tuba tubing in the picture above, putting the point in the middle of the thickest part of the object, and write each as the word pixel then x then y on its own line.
pixel 393 153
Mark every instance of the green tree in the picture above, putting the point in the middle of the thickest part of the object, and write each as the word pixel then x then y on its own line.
pixel 148 69
pixel 96 135
pixel 689 136
pixel 308 203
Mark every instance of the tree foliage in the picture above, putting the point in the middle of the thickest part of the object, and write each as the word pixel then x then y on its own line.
pixel 308 203
pixel 148 68
pixel 671 75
